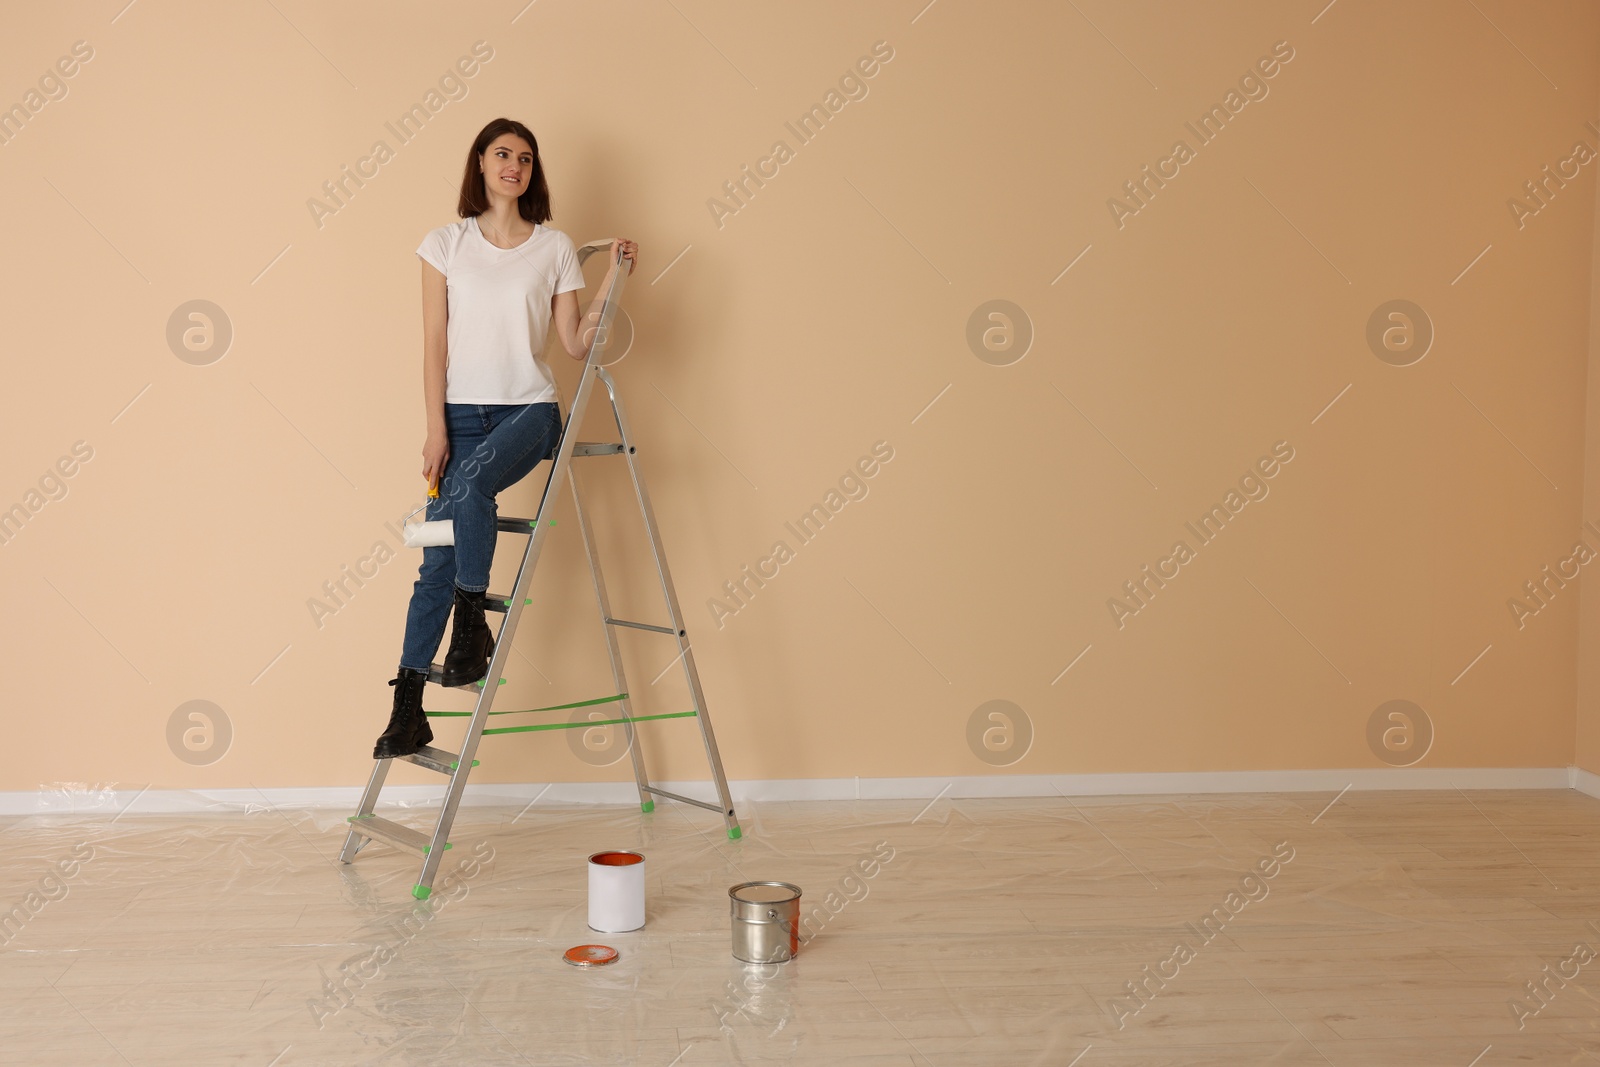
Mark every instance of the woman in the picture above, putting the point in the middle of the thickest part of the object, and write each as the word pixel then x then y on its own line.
pixel 491 285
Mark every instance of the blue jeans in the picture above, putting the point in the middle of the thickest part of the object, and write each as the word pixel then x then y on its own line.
pixel 492 447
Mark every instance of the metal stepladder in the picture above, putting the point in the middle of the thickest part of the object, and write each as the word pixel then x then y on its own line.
pixel 365 826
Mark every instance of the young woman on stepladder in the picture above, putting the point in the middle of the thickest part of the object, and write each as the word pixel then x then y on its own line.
pixel 492 284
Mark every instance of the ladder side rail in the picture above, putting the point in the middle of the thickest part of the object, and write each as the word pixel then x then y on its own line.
pixel 502 648
pixel 691 673
pixel 558 471
pixel 713 757
pixel 369 802
pixel 491 684
pixel 481 707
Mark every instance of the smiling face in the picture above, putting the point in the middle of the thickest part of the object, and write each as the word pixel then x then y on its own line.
pixel 507 166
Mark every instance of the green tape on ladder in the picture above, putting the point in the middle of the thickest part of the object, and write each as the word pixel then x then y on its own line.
pixel 528 711
pixel 429 848
pixel 585 724
pixel 420 892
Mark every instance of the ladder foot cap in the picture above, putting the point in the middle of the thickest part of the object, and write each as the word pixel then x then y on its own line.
pixel 647 806
pixel 421 892
pixel 734 833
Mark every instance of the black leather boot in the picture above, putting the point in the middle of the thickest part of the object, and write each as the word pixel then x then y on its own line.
pixel 408 727
pixel 471 644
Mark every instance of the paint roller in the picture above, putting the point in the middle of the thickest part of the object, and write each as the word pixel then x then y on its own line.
pixel 431 532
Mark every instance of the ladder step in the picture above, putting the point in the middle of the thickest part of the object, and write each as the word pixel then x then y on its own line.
pixel 510 525
pixel 597 448
pixel 436 676
pixel 499 602
pixel 381 829
pixel 645 626
pixel 435 759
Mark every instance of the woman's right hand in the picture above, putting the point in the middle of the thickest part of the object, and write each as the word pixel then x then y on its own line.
pixel 435 451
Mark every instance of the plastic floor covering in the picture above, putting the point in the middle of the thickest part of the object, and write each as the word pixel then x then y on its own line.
pixel 1385 928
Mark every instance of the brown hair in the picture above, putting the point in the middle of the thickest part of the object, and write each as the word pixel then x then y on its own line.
pixel 534 203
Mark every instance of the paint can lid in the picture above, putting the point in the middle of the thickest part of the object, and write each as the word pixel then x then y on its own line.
pixel 590 955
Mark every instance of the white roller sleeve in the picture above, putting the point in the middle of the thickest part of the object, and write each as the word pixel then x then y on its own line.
pixel 426 534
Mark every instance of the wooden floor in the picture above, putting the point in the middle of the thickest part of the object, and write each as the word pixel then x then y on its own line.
pixel 1385 928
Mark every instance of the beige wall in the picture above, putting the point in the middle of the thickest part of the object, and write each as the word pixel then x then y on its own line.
pixel 820 318
pixel 1587 755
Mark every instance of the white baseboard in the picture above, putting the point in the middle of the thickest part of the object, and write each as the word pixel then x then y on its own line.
pixel 1585 781
pixel 70 799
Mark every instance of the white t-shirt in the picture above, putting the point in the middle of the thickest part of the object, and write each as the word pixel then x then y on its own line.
pixel 499 310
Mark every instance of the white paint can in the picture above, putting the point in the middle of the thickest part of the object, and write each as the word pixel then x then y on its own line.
pixel 616 891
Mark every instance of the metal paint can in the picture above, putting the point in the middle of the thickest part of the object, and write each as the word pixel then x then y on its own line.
pixel 766 921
